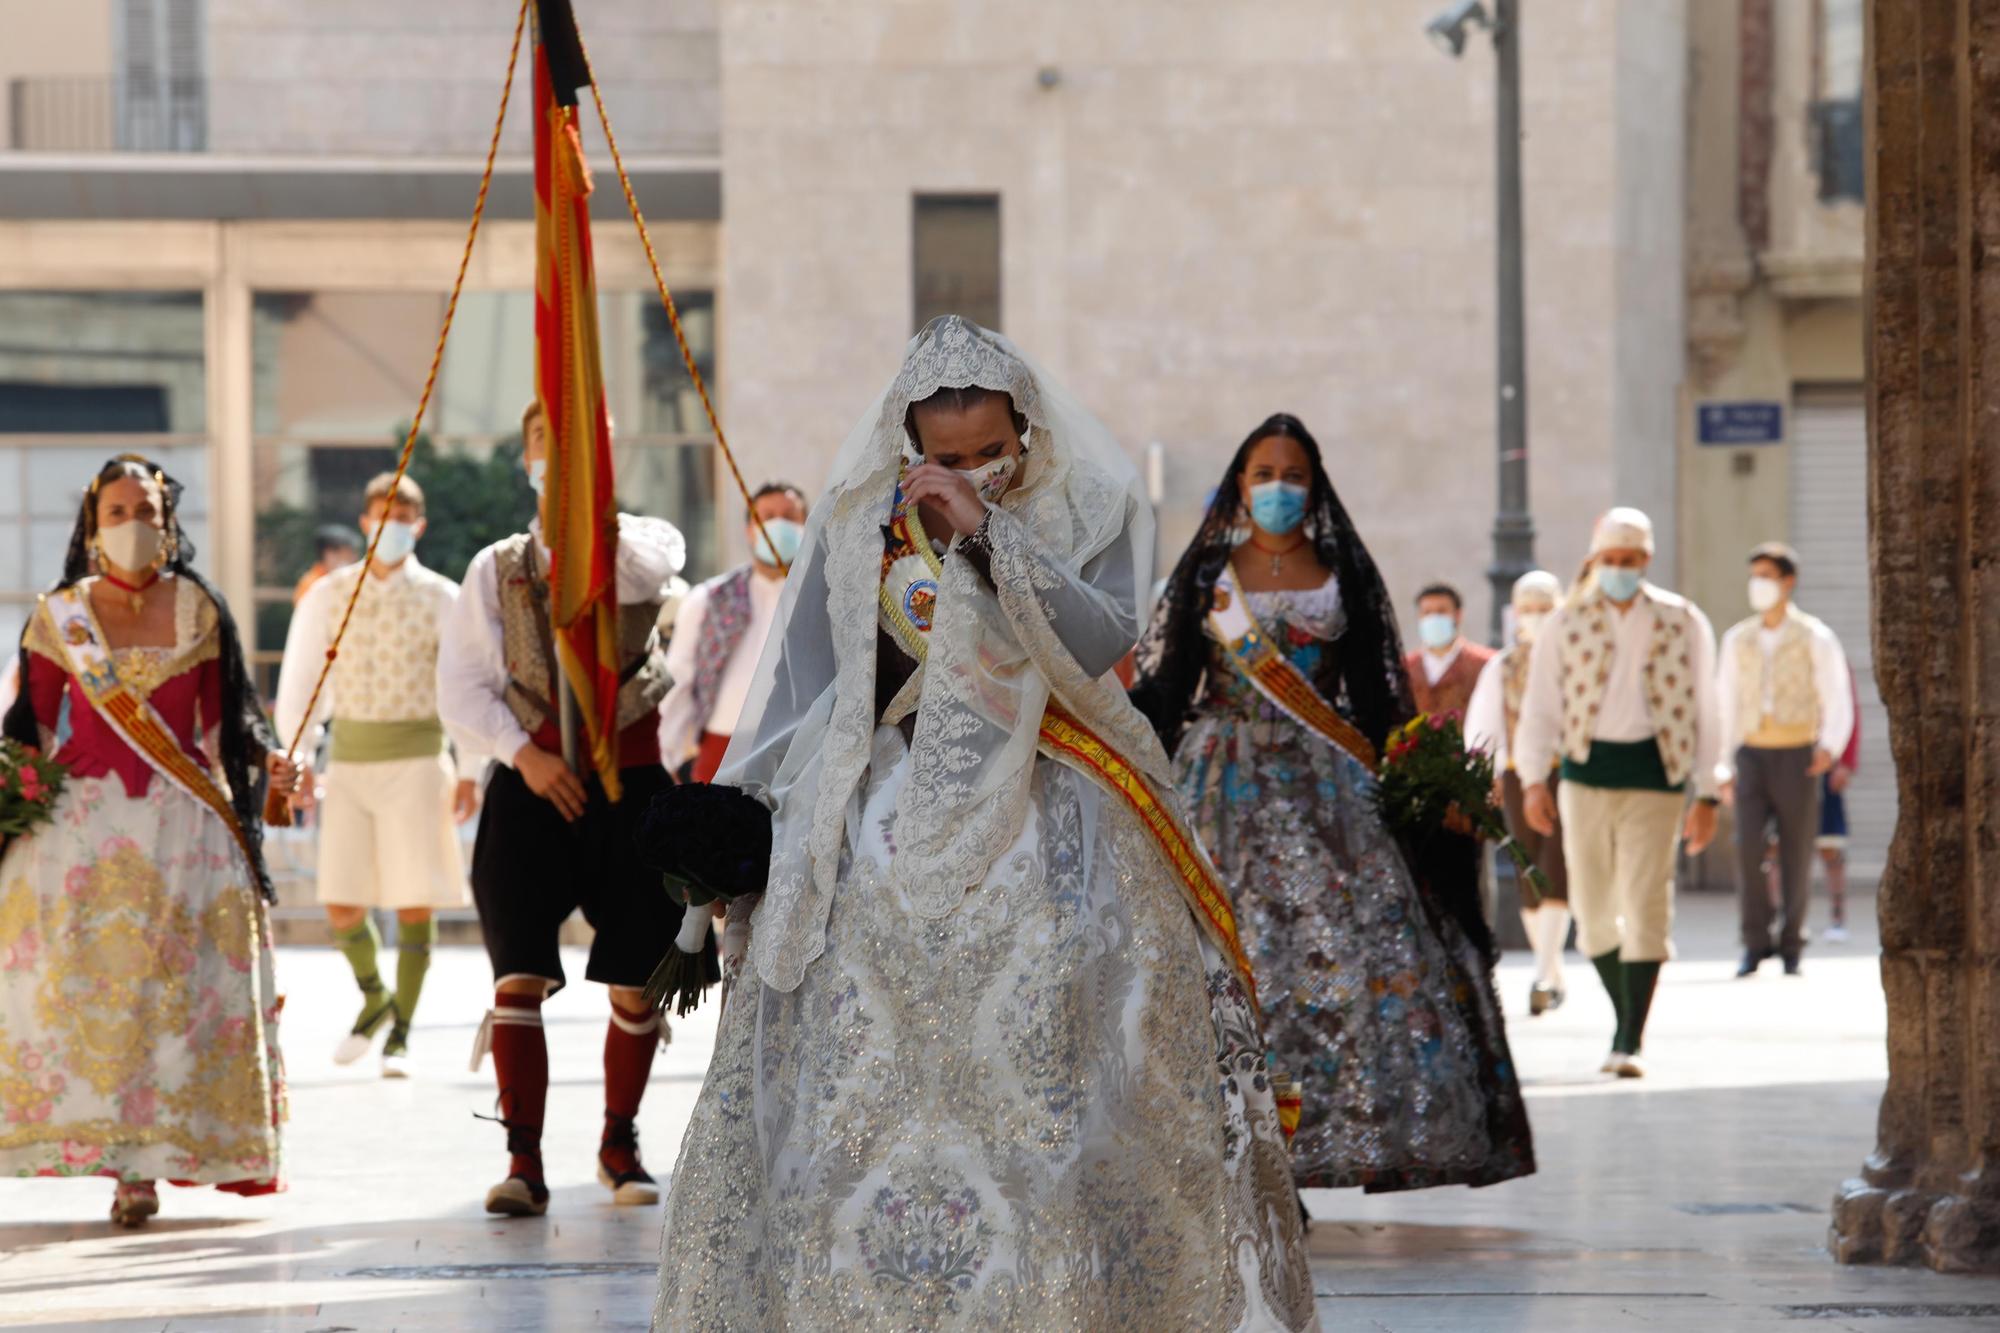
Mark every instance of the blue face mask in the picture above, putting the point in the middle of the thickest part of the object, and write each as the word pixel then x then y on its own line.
pixel 538 474
pixel 786 536
pixel 398 540
pixel 1278 506
pixel 1620 585
pixel 1437 630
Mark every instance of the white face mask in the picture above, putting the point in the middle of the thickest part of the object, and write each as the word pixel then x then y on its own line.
pixel 1527 624
pixel 1765 593
pixel 991 481
pixel 785 535
pixel 398 540
pixel 132 544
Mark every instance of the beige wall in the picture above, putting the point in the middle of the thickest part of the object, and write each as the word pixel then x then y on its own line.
pixel 1218 213
pixel 372 77
pixel 43 40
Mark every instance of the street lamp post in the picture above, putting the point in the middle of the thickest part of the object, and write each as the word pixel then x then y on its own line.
pixel 1513 525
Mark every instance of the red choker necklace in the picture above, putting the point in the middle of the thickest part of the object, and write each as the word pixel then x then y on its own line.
pixel 135 593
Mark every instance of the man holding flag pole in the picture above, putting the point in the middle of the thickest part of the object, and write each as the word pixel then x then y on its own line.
pixel 552 662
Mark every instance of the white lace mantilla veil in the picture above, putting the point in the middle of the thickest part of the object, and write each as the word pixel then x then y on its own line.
pixel 1071 558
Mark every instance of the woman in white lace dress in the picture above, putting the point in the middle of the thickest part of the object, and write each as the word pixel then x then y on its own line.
pixel 990 1061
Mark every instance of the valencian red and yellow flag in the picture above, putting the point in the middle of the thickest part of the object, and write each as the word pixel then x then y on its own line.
pixel 579 511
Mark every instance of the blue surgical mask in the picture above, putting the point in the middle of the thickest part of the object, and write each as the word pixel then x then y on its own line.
pixel 1437 630
pixel 538 473
pixel 785 536
pixel 1619 584
pixel 398 540
pixel 1278 506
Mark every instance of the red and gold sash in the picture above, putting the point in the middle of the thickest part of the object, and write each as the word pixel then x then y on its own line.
pixel 131 715
pixel 910 570
pixel 1253 654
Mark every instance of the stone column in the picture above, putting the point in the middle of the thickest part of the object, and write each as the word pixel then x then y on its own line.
pixel 1930 1192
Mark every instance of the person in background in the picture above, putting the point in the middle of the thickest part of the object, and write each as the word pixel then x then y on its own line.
pixel 394 795
pixel 1832 839
pixel 1621 689
pixel 1444 670
pixel 334 547
pixel 1786 706
pixel 719 634
pixel 1490 721
pixel 553 840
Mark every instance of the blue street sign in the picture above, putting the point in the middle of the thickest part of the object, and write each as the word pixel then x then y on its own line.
pixel 1740 423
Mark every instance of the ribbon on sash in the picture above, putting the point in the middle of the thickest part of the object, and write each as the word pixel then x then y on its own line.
pixel 911 570
pixel 130 715
pixel 1256 657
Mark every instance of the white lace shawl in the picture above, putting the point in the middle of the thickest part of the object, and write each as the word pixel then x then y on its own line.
pixel 1071 554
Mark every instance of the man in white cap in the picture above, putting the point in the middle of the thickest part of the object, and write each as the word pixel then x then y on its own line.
pixel 1621 690
pixel 1787 709
pixel 1491 719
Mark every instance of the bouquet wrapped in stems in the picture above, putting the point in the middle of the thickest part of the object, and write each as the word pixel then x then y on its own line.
pixel 710 844
pixel 29 788
pixel 1430 783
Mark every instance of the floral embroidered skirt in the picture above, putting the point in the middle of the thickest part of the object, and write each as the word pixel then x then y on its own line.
pixel 138 1014
pixel 1374 999
pixel 1044 1110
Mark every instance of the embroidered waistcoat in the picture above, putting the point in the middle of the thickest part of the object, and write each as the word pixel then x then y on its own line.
pixel 1589 639
pixel 387 668
pixel 1794 697
pixel 723 622
pixel 528 643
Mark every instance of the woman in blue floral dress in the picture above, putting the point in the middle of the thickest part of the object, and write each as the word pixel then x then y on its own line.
pixel 1273 674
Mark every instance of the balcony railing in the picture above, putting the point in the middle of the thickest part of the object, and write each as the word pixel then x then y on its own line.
pixel 332 116
pixel 95 115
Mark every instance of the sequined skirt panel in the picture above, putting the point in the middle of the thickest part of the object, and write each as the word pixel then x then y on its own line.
pixel 1046 1110
pixel 138 1011
pixel 1374 1001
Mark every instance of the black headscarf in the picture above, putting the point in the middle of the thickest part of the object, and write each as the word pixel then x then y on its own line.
pixel 245 733
pixel 1363 674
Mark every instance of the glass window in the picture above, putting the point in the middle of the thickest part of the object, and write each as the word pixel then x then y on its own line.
pixel 85 375
pixel 337 376
pixel 955 257
pixel 101 363
pixel 41 485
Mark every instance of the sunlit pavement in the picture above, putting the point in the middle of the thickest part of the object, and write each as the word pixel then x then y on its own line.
pixel 1696 1199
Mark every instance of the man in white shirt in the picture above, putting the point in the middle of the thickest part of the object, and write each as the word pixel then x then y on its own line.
pixel 552 841
pixel 1786 713
pixel 393 796
pixel 719 635
pixel 1621 689
pixel 1491 717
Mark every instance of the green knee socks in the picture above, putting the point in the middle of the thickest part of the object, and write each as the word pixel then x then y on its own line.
pixel 1641 979
pixel 1612 973
pixel 359 943
pixel 413 959
pixel 1631 987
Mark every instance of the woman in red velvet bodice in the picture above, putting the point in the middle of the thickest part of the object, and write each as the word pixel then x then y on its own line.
pixel 138 1007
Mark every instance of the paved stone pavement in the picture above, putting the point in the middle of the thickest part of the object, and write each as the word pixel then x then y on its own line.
pixel 1694 1200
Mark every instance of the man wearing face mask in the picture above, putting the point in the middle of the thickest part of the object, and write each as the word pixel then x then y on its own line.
pixel 552 840
pixel 393 794
pixel 1787 712
pixel 1444 671
pixel 1621 690
pixel 1491 720
pixel 719 635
